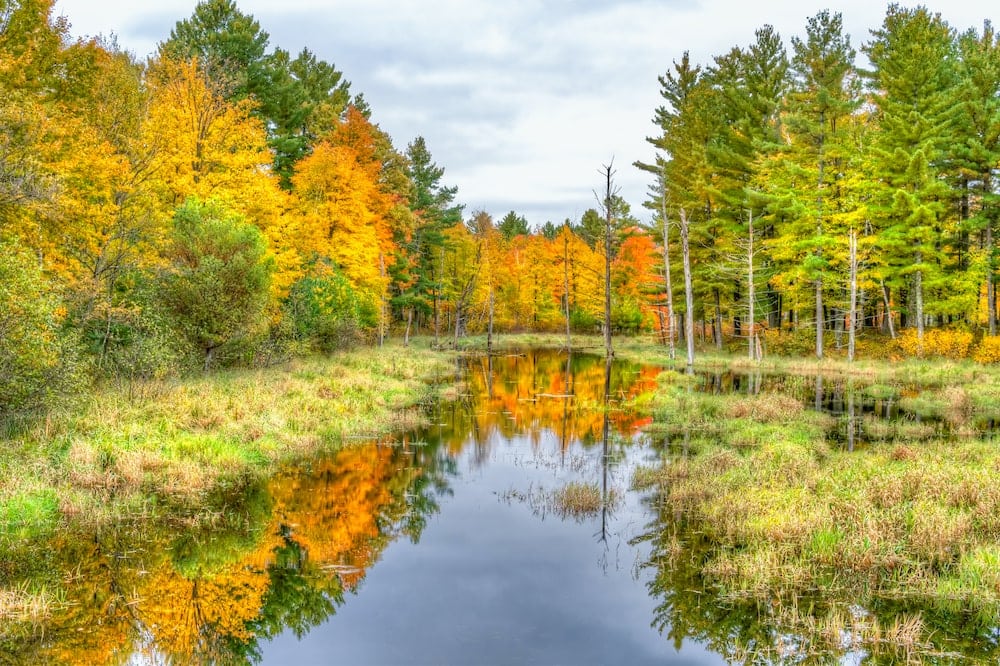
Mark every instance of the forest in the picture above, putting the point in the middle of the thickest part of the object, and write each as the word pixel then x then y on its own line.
pixel 228 203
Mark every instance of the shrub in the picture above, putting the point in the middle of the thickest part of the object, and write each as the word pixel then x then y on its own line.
pixel 132 339
pixel 218 283
pixel 38 359
pixel 943 342
pixel 323 309
pixel 988 350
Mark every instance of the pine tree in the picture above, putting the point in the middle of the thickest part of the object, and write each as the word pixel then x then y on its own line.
pixel 979 154
pixel 912 82
pixel 803 182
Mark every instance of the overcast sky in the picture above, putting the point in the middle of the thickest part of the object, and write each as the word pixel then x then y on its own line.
pixel 521 101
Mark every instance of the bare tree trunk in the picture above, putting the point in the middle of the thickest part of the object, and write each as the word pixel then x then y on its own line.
pixel 489 330
pixel 666 271
pixel 409 323
pixel 853 314
pixel 437 302
pixel 918 295
pixel 569 338
pixel 717 322
pixel 753 348
pixel 383 315
pixel 819 319
pixel 608 226
pixel 991 300
pixel 688 293
pixel 888 311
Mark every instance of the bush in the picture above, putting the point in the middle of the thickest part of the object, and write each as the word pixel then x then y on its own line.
pixel 323 309
pixel 943 342
pixel 800 342
pixel 38 359
pixel 988 350
pixel 132 339
pixel 582 321
pixel 217 286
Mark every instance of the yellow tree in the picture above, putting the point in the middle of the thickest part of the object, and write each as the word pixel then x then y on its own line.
pixel 347 214
pixel 208 147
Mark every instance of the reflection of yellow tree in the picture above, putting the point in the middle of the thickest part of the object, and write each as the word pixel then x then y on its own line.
pixel 539 390
pixel 186 617
pixel 334 513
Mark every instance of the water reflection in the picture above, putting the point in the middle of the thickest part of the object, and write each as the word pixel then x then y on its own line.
pixel 279 557
pixel 287 571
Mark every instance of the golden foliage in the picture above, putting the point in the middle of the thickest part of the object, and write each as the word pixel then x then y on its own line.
pixel 942 342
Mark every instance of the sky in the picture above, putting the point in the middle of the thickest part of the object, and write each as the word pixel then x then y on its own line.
pixel 520 101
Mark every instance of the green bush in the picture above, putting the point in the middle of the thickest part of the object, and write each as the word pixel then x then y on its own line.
pixel 38 357
pixel 217 286
pixel 323 309
pixel 132 339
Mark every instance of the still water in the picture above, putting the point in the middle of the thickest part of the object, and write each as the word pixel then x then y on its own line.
pixel 499 573
pixel 454 544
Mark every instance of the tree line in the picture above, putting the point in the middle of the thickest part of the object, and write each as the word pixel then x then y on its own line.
pixel 227 203
pixel 824 196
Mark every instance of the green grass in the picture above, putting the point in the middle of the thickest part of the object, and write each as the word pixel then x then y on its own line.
pixel 185 442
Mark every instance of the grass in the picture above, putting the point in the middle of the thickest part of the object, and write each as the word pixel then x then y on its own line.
pixel 782 514
pixel 184 443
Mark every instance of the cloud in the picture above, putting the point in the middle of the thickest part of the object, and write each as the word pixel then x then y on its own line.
pixel 520 101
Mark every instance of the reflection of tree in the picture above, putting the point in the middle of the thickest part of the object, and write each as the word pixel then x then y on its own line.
pixel 539 390
pixel 270 561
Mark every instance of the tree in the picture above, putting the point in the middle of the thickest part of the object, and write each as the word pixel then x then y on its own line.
pixel 35 356
pixel 433 208
pixel 513 225
pixel 229 46
pixel 803 180
pixel 608 207
pixel 304 99
pixel 216 284
pixel 912 80
pixel 978 155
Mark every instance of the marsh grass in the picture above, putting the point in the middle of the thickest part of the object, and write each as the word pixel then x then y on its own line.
pixel 184 444
pixel 576 500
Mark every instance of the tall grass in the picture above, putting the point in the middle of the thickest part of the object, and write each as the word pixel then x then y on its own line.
pixel 183 442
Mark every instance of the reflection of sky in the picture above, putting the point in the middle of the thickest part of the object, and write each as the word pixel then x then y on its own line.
pixel 493 582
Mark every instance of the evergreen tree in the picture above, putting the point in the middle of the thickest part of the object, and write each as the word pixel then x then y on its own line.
pixel 913 81
pixel 513 225
pixel 803 182
pixel 978 155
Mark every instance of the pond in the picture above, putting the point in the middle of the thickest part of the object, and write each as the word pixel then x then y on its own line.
pixel 506 531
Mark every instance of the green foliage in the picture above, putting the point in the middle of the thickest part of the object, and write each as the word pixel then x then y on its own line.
pixel 626 315
pixel 324 310
pixel 37 356
pixel 512 225
pixel 582 321
pixel 216 287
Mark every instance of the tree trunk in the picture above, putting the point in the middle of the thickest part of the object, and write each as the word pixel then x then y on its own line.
pixel 991 301
pixel 569 338
pixel 688 293
pixel 666 273
pixel 918 297
pixel 383 318
pixel 852 317
pixel 717 323
pixel 752 347
pixel 489 330
pixel 608 215
pixel 409 323
pixel 888 311
pixel 819 318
